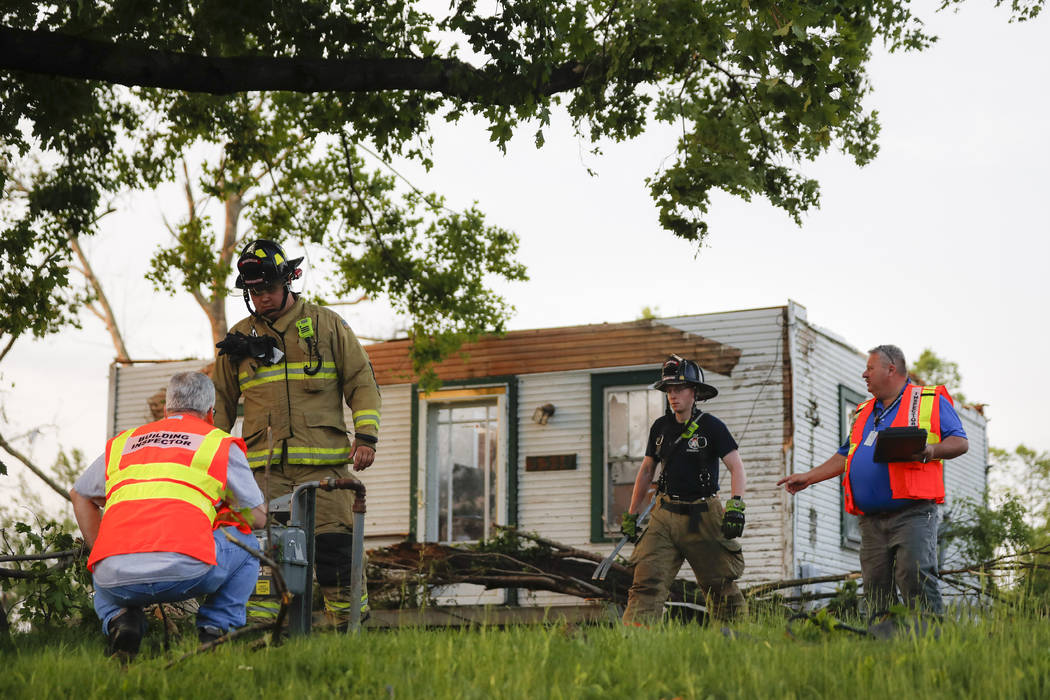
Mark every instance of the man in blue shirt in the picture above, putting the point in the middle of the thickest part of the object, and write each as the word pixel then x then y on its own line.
pixel 898 526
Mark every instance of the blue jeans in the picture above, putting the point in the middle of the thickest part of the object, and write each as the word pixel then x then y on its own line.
pixel 227 586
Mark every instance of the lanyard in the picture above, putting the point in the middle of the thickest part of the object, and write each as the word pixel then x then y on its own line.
pixel 883 412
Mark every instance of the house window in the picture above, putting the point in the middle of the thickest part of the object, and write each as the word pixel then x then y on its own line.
pixel 463 482
pixel 623 408
pixel 850 524
pixel 629 412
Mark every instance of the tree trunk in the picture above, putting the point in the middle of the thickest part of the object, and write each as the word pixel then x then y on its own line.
pixel 215 306
pixel 234 206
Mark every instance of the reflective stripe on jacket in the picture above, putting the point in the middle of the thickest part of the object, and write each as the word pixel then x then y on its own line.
pixel 303 411
pixel 164 483
pixel 920 407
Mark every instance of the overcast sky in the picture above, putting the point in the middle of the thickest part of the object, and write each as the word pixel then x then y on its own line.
pixel 942 242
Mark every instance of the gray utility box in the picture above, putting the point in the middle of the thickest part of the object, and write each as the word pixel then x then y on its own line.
pixel 288 550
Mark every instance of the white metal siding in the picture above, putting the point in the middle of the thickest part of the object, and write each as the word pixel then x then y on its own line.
pixel 556 504
pixel 133 385
pixel 821 364
pixel 966 476
pixel 387 480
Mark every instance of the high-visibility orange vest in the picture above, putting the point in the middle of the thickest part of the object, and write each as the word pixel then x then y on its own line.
pixel 920 407
pixel 164 482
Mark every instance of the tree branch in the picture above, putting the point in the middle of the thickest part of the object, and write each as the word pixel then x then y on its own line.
pixel 47 555
pixel 22 574
pixel 33 468
pixel 7 348
pixel 106 314
pixel 62 55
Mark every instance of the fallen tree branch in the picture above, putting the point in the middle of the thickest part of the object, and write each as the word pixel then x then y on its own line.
pixel 550 567
pixel 765 588
pixel 562 550
pixel 46 555
pixel 21 574
pixel 963 585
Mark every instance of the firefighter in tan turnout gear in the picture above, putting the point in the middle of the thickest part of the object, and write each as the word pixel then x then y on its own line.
pixel 294 363
pixel 688 521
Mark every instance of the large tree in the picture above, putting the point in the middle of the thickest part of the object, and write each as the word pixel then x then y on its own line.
pixel 756 88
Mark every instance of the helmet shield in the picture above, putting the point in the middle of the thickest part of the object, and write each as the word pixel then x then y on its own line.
pixel 678 370
pixel 264 262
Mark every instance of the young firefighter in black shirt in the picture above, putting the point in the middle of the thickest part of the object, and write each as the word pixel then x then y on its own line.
pixel 688 522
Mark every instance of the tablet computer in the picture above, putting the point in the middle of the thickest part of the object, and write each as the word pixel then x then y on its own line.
pixel 899 444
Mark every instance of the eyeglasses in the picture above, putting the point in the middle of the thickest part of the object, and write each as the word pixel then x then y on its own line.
pixel 258 290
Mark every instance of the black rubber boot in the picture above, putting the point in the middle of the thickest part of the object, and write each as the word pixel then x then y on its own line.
pixel 125 633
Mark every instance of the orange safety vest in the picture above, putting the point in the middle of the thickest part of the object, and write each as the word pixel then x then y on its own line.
pixel 164 483
pixel 920 407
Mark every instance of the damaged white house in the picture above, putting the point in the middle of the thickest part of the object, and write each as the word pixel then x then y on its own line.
pixel 545 429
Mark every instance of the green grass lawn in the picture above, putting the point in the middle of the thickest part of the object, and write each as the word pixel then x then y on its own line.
pixel 1002 657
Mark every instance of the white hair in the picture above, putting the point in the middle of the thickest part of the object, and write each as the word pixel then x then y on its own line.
pixel 190 391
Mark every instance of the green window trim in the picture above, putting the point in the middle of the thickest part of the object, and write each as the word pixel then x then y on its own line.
pixel 849 532
pixel 599 383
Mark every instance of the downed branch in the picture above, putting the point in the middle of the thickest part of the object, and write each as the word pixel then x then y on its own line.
pixel 46 555
pixel 765 588
pixel 1005 565
pixel 65 559
pixel 514 559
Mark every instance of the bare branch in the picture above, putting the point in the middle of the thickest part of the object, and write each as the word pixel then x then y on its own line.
pixel 350 302
pixel 7 348
pixel 46 555
pixel 764 588
pixel 106 313
pixel 33 468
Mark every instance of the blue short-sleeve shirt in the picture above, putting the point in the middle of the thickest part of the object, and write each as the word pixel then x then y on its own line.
pixel 870 480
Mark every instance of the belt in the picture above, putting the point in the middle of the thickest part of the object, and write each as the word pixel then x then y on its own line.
pixel 915 503
pixel 687 499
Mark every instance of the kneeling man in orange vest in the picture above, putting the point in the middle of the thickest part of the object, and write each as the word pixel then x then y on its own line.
pixel 153 509
pixel 896 501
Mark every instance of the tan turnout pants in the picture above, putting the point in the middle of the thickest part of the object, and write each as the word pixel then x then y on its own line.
pixel 716 562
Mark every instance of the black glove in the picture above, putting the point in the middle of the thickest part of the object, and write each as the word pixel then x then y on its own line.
pixel 239 345
pixel 733 520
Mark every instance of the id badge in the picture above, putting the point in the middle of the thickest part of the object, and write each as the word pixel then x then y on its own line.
pixel 871 438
